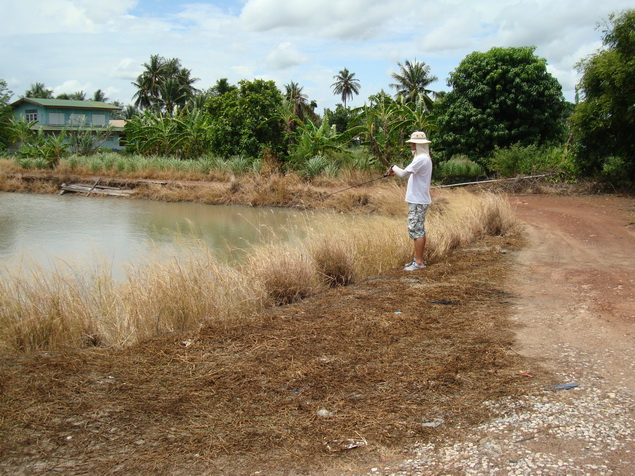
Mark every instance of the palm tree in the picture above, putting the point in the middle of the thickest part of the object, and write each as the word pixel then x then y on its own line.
pixel 297 99
pixel 129 111
pixel 345 85
pixel 412 81
pixel 164 84
pixel 38 90
pixel 148 82
pixel 99 96
pixel 221 87
pixel 78 96
pixel 172 94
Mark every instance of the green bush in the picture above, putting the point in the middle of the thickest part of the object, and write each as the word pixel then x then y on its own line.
pixel 313 167
pixel 239 164
pixel 530 160
pixel 616 171
pixel 459 167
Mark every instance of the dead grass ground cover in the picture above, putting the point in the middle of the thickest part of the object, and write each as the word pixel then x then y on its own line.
pixel 385 359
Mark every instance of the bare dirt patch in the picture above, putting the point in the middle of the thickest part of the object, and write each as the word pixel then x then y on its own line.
pixel 403 367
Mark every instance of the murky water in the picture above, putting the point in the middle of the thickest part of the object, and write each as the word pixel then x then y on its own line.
pixel 76 232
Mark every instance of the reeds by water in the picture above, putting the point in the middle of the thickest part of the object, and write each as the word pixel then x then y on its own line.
pixel 44 310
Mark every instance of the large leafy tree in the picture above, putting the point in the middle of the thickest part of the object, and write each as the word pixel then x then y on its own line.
pixel 6 114
pixel 345 85
pixel 412 81
pixel 164 85
pixel 245 120
pixel 502 97
pixel 604 122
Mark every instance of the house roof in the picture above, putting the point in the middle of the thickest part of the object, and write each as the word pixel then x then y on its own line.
pixel 66 103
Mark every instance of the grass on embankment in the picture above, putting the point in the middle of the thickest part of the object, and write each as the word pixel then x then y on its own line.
pixel 42 310
pixel 185 181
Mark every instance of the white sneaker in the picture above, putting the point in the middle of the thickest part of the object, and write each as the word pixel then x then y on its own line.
pixel 414 266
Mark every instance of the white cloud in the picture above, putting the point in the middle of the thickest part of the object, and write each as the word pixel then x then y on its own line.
pixel 104 44
pixel 60 16
pixel 347 20
pixel 73 86
pixel 284 56
pixel 127 68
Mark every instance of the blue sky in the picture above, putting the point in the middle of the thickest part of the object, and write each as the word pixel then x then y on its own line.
pixel 73 45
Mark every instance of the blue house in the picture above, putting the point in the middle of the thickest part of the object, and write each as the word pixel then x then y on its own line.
pixel 52 116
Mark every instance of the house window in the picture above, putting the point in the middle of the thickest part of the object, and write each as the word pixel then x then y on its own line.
pixel 31 115
pixel 78 120
pixel 99 120
pixel 56 118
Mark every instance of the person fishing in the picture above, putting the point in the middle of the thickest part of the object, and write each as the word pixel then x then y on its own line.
pixel 419 174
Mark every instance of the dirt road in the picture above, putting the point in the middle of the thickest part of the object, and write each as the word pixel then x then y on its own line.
pixel 579 285
pixel 575 283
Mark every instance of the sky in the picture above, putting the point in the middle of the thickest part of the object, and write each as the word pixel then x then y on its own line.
pixel 85 45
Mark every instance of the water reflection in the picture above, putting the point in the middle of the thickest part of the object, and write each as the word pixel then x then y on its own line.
pixel 47 229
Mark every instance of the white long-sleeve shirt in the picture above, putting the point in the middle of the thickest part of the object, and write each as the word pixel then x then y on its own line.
pixel 419 174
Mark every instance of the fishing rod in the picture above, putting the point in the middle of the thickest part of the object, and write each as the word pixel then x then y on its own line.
pixel 387 174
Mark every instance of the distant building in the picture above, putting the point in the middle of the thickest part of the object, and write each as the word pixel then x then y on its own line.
pixel 53 116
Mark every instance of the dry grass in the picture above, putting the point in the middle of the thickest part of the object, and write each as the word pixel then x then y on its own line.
pixel 459 217
pixel 48 310
pixel 241 397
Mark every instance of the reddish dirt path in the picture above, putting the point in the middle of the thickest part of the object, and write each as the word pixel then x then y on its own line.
pixel 574 283
pixel 578 283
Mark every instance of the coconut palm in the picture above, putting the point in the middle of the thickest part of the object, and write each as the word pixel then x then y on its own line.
pixel 164 85
pixel 99 96
pixel 297 99
pixel 412 81
pixel 76 96
pixel 148 82
pixel 172 94
pixel 345 85
pixel 38 90
pixel 221 87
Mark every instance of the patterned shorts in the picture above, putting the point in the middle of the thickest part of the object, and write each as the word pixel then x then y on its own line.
pixel 416 220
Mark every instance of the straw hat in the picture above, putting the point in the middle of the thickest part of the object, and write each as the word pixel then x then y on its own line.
pixel 418 137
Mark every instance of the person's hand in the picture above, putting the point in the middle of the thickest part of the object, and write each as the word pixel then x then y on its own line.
pixel 390 172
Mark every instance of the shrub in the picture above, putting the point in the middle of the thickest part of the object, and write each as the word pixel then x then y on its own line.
pixel 616 171
pixel 459 168
pixel 313 167
pixel 528 160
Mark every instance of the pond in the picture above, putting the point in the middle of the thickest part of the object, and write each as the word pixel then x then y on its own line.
pixel 53 231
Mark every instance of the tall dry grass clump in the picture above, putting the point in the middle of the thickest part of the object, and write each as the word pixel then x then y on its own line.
pixel 51 310
pixel 459 217
pixel 47 310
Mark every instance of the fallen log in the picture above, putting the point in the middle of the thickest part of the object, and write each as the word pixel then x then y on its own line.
pixel 94 189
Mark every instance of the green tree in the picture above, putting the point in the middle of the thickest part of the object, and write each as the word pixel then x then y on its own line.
pixel 604 121
pixel 345 85
pixel 221 87
pixel 499 98
pixel 164 85
pixel 76 96
pixel 99 96
pixel 343 118
pixel 6 114
pixel 377 125
pixel 412 80
pixel 246 119
pixel 38 90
